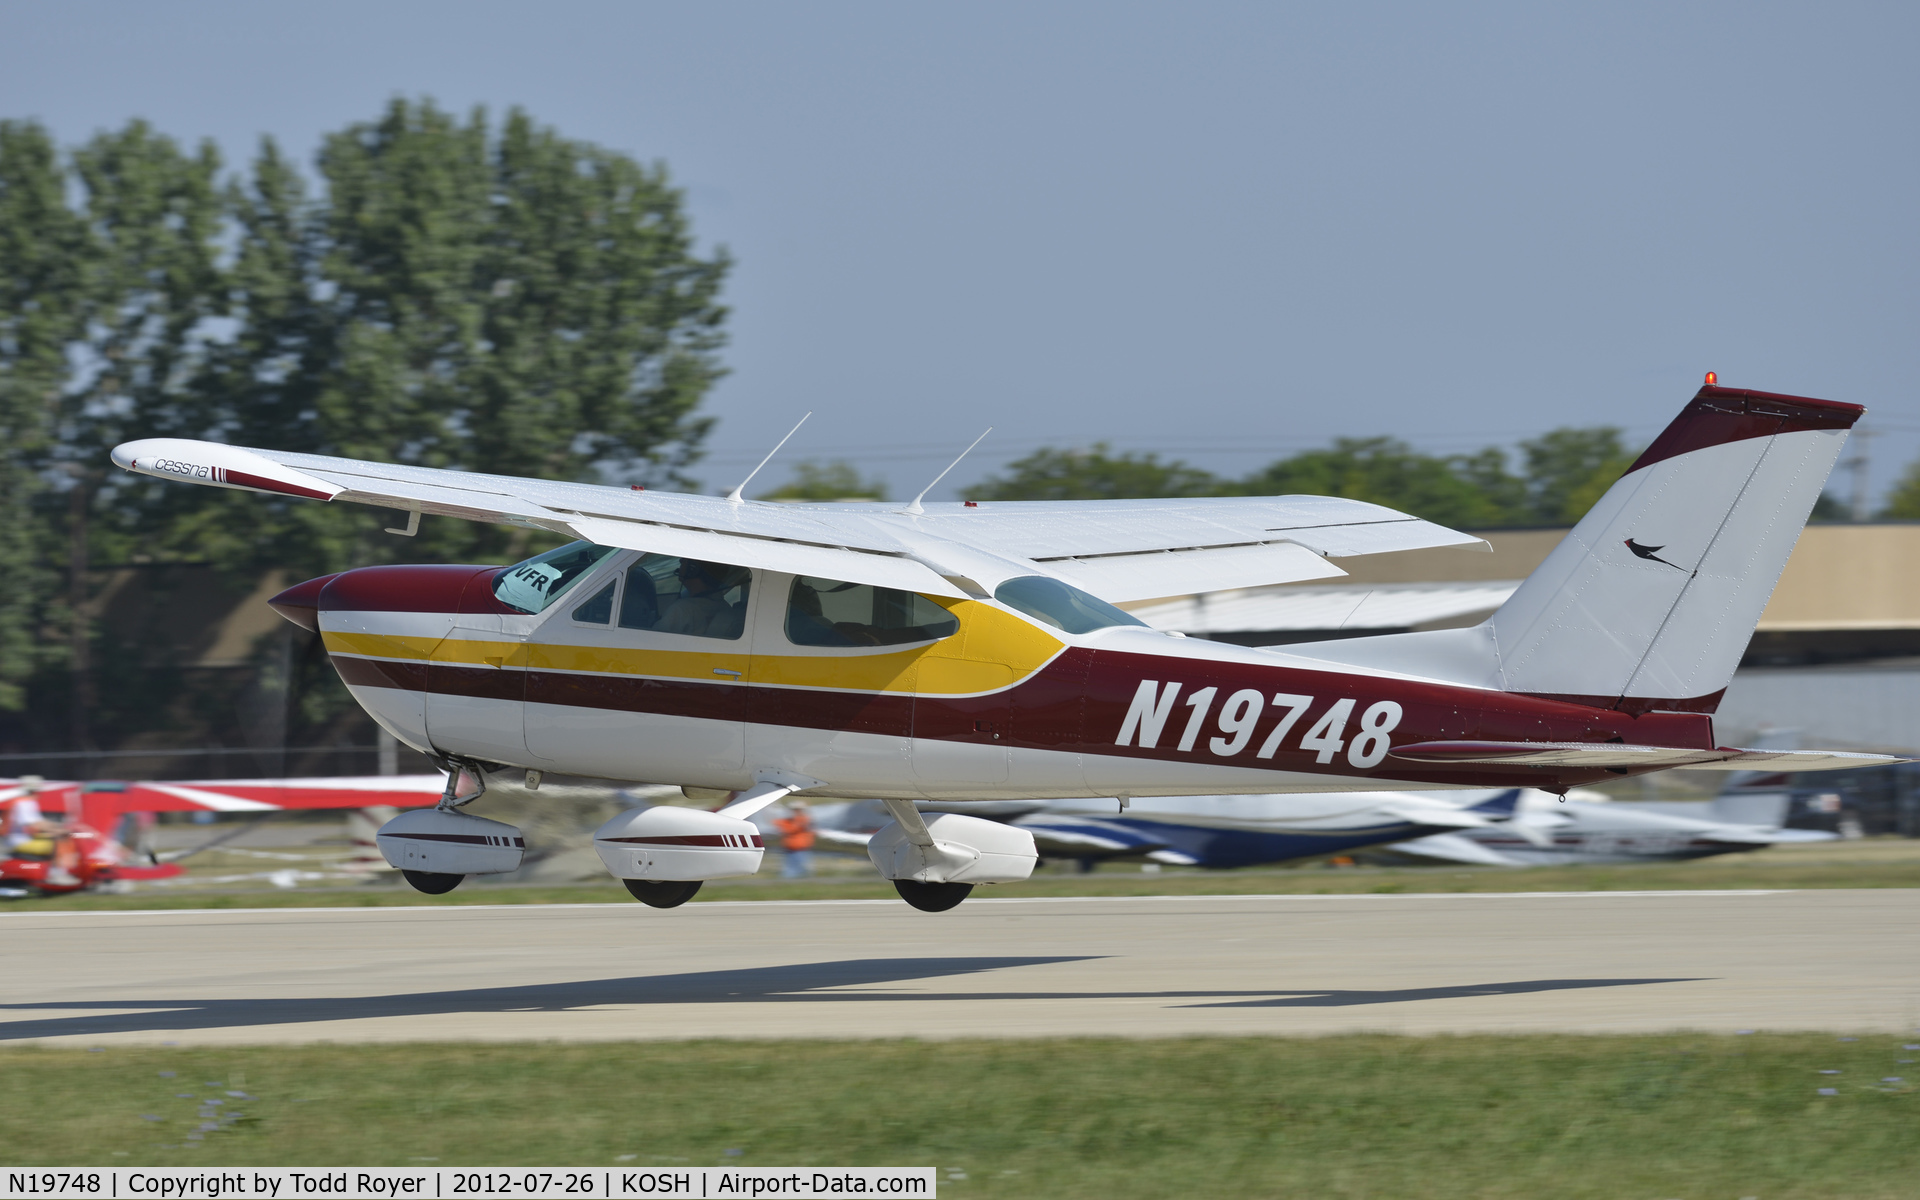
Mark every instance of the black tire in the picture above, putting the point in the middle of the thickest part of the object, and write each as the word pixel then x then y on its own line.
pixel 932 897
pixel 662 893
pixel 433 883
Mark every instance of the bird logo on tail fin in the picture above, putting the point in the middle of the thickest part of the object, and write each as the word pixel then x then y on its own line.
pixel 1651 554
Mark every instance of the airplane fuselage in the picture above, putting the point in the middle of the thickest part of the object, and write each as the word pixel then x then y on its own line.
pixel 999 705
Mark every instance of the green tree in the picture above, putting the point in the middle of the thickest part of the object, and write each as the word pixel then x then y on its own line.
pixel 1830 508
pixel 1473 492
pixel 42 313
pixel 494 299
pixel 1568 470
pixel 153 216
pixel 517 303
pixel 836 480
pixel 1093 474
pixel 147 262
pixel 1904 503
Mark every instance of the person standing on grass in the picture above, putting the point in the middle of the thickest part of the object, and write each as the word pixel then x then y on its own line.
pixel 796 838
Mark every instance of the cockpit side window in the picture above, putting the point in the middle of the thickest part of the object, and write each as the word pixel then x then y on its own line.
pixel 828 612
pixel 536 583
pixel 685 596
pixel 597 611
pixel 1061 605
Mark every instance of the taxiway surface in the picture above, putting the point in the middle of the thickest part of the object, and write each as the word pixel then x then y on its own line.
pixel 1578 962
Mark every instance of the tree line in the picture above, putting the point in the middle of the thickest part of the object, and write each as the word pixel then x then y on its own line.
pixel 1560 474
pixel 442 292
pixel 1556 478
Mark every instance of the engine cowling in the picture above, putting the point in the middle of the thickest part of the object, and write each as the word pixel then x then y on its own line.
pixel 965 850
pixel 450 843
pixel 665 842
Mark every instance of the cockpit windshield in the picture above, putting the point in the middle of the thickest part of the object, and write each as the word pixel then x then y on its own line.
pixel 534 584
pixel 1061 605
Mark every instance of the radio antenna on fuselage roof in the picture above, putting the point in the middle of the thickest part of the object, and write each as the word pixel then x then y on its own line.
pixel 915 508
pixel 734 495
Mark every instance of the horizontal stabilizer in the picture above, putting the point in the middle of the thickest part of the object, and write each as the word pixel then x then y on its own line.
pixel 1617 756
pixel 1451 847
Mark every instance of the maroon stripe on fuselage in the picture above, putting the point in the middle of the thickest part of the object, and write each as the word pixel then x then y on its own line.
pixel 885 714
pixel 1078 703
pixel 480 683
pixel 624 693
pixel 1717 415
pixel 380 672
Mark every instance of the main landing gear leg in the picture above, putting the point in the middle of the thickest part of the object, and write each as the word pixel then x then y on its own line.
pixel 927 897
pixel 436 883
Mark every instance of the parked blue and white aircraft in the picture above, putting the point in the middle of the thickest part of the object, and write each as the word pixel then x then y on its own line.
pixel 1544 832
pixel 1509 827
pixel 1205 831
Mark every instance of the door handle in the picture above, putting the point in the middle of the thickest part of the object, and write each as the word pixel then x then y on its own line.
pixel 726 671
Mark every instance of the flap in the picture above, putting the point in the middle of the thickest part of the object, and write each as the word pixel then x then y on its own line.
pixel 1118 578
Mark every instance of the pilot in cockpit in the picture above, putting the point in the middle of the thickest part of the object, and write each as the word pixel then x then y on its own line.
pixel 702 609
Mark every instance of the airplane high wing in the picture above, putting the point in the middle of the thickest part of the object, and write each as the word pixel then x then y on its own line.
pixel 1117 549
pixel 968 653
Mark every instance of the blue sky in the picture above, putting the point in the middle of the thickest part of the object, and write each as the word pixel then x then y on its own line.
pixel 1222 231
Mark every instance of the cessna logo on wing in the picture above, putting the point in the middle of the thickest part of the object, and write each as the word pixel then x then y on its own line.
pixel 1651 554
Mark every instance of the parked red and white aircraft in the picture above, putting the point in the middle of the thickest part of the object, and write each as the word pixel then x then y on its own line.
pixel 90 846
pixel 955 652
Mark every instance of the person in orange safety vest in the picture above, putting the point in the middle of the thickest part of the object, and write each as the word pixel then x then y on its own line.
pixel 796 838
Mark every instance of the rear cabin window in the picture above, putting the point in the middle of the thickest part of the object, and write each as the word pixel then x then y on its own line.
pixel 1061 605
pixel 685 596
pixel 828 612
pixel 536 583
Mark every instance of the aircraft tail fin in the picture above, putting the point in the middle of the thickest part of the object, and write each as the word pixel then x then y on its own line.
pixel 1649 602
pixel 1500 807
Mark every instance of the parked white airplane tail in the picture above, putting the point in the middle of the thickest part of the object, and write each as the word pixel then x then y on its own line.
pixel 1651 599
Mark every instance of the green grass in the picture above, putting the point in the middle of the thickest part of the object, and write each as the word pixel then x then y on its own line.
pixel 1362 1116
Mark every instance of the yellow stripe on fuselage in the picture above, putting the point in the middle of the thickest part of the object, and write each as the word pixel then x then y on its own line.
pixel 992 650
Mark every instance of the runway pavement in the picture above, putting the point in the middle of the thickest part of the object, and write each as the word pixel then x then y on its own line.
pixel 1579 962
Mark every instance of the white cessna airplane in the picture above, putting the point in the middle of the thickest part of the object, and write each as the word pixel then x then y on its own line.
pixel 957 652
